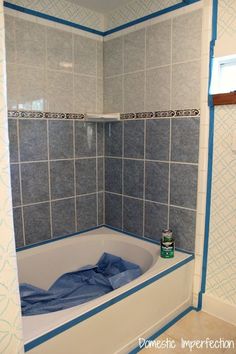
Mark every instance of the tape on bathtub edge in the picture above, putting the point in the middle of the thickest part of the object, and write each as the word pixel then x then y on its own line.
pixel 56 331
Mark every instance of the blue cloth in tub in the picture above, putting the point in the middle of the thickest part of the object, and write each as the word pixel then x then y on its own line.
pixel 74 288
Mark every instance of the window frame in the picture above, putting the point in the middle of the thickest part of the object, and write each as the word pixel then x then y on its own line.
pixel 219 97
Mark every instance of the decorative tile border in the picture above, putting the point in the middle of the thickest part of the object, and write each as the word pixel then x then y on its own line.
pixel 124 116
pixel 46 115
pixel 162 114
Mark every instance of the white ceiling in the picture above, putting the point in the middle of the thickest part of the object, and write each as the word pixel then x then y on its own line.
pixel 102 6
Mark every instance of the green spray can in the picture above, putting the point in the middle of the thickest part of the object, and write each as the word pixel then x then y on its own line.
pixel 167 244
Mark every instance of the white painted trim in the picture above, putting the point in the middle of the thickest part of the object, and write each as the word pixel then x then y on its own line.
pixel 218 308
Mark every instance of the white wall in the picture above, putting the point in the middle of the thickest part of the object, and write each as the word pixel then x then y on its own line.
pixel 220 297
pixel 10 317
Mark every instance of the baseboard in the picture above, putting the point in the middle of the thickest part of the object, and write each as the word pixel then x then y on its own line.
pixel 218 308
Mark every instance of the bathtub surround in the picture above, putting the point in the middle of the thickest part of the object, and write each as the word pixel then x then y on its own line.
pixel 151 166
pixel 156 67
pixel 151 169
pixel 47 66
pixel 57 177
pixel 137 62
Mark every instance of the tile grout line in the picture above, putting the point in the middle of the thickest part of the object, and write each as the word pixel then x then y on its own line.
pixel 144 132
pixel 96 76
pixel 122 175
pixel 55 70
pixel 104 196
pixel 20 180
pixel 123 134
pixel 96 125
pixel 170 124
pixel 55 160
pixel 157 161
pixel 54 200
pixel 103 182
pixel 123 74
pixel 74 165
pixel 49 183
pixel 48 144
pixel 144 179
pixel 73 127
pixel 152 201
pixel 152 68
pixel 169 172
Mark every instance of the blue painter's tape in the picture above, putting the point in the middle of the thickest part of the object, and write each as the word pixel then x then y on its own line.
pixel 91 30
pixel 51 18
pixel 210 157
pixel 102 307
pixel 149 17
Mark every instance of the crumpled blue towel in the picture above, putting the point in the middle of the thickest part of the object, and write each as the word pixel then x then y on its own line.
pixel 74 288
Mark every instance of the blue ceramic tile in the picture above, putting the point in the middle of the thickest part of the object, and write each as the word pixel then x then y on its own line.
pixel 134 139
pixel 113 139
pixel 60 139
pixel 15 185
pixel 13 140
pixel 133 178
pixel 62 179
pixel 100 174
pixel 85 176
pixel 37 223
pixel 33 140
pixel 185 140
pixel 182 223
pixel 156 181
pixel 113 175
pixel 86 212
pixel 85 139
pixel 158 139
pixel 100 208
pixel 156 217
pixel 100 139
pixel 133 216
pixel 18 227
pixel 35 183
pixel 113 207
pixel 63 217
pixel 183 185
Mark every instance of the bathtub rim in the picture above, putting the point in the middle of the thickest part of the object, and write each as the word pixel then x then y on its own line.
pixel 82 317
pixel 79 233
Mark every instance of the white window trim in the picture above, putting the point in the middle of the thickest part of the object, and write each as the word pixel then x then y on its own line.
pixel 216 73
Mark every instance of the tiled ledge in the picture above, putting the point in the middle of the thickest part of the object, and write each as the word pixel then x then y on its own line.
pixel 192 112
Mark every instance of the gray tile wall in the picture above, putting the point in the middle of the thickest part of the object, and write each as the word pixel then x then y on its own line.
pixel 154 68
pixel 151 169
pixel 52 70
pixel 57 175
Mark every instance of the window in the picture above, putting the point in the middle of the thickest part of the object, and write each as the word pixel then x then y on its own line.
pixel 224 75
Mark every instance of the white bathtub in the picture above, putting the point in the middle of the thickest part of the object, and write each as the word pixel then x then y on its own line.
pixel 114 322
